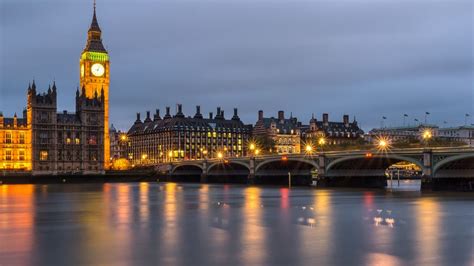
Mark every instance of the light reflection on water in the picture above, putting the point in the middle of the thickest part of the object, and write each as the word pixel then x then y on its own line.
pixel 193 224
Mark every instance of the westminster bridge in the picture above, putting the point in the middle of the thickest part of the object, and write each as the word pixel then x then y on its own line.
pixel 440 167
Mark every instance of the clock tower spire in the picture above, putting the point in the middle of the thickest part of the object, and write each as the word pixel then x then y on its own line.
pixel 94 75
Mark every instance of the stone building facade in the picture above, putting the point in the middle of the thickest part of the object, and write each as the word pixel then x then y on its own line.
pixel 332 132
pixel 285 133
pixel 49 143
pixel 179 137
pixel 15 143
pixel 65 143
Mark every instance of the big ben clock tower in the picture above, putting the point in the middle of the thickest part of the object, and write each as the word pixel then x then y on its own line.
pixel 95 78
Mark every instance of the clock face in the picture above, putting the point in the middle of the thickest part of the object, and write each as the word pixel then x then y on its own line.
pixel 82 70
pixel 97 70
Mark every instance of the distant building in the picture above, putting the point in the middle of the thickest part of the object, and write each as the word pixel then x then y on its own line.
pixel 285 132
pixel 402 134
pixel 462 133
pixel 333 132
pixel 15 143
pixel 118 143
pixel 186 138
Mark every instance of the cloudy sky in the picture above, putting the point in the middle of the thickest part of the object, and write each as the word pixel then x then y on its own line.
pixel 368 58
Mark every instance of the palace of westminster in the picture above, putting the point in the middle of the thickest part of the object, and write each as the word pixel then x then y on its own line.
pixel 45 142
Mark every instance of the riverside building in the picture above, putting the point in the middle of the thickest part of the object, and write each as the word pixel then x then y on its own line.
pixel 47 142
pixel 332 132
pixel 284 132
pixel 179 137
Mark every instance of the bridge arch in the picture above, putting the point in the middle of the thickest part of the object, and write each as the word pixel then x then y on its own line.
pixel 190 166
pixel 230 163
pixel 301 160
pixel 451 159
pixel 375 156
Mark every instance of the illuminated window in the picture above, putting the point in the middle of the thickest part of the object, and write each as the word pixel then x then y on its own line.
pixel 209 134
pixel 68 141
pixel 43 155
pixel 21 155
pixel 22 137
pixel 8 155
pixel 214 134
pixel 8 137
pixel 77 141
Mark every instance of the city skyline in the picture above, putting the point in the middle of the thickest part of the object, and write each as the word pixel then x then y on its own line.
pixel 244 61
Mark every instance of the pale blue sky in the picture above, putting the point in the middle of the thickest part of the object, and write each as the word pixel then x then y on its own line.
pixel 369 58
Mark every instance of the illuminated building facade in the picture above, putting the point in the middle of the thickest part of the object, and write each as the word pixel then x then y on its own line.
pixel 95 77
pixel 65 143
pixel 403 133
pixel 118 143
pixel 186 138
pixel 333 133
pixel 48 142
pixel 15 143
pixel 285 132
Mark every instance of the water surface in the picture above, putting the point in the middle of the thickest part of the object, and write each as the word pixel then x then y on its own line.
pixel 193 224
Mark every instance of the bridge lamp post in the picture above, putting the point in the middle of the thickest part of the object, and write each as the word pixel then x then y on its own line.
pixel 257 151
pixel 309 149
pixel 220 155
pixel 427 135
pixel 322 142
pixel 144 156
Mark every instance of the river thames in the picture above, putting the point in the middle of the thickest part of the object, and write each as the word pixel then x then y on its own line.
pixel 197 224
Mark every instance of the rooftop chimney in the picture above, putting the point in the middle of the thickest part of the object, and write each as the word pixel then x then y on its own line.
pixel 260 115
pixel 138 118
pixel 148 119
pixel 236 116
pixel 222 114
pixel 218 113
pixel 157 115
pixel 211 116
pixel 345 119
pixel 325 119
pixel 198 114
pixel 281 116
pixel 167 115
pixel 179 112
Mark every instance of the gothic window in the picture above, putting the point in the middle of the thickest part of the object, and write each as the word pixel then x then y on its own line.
pixel 43 137
pixel 8 155
pixel 8 137
pixel 43 155
pixel 92 139
pixel 22 137
pixel 21 155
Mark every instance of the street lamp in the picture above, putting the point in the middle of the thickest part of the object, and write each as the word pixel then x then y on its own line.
pixel 427 134
pixel 309 148
pixel 220 155
pixel 383 143
pixel 257 151
pixel 252 146
pixel 321 141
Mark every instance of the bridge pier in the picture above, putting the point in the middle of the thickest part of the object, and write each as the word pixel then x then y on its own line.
pixel 203 178
pixel 251 176
pixel 427 175
pixel 322 181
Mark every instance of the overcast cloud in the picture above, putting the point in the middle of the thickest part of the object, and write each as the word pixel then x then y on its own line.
pixel 368 58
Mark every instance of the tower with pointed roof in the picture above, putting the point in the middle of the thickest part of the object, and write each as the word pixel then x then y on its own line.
pixel 95 75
